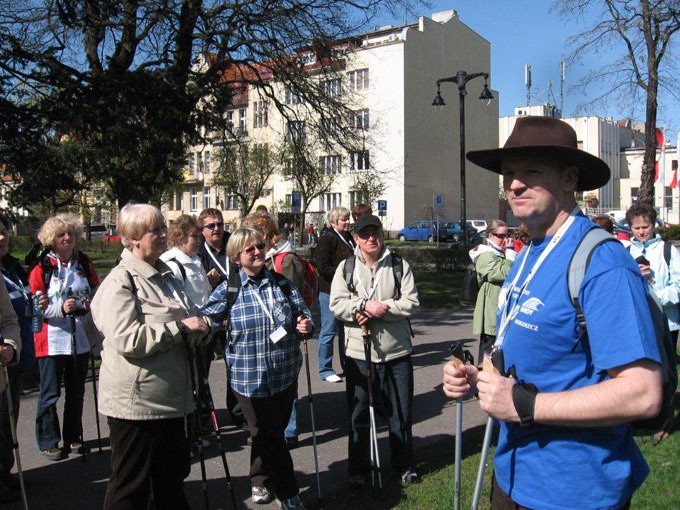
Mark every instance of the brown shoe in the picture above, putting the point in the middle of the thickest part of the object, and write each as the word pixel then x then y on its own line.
pixel 53 453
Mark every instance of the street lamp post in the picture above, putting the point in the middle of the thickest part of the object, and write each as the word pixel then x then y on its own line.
pixel 461 79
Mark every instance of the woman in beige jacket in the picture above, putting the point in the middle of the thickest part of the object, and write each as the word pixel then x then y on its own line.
pixel 145 385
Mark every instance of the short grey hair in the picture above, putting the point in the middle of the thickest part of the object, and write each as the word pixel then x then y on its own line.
pixel 135 219
pixel 337 213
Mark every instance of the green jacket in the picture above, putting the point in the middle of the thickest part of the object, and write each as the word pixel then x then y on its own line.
pixel 492 268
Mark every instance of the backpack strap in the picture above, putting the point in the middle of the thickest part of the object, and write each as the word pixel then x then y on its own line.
pixel 667 253
pixel 348 272
pixel 398 270
pixel 576 270
pixel 180 266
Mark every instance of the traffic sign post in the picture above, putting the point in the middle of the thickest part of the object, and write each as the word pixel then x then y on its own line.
pixel 382 207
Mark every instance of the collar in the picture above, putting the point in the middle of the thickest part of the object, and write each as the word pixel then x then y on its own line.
pixel 144 269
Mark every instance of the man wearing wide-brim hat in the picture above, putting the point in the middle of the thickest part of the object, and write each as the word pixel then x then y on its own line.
pixel 565 441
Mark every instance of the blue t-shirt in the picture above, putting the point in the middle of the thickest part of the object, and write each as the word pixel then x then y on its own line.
pixel 559 467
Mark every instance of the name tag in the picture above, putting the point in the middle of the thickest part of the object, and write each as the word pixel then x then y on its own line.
pixel 278 334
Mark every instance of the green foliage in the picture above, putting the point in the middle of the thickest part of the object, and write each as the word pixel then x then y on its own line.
pixel 431 257
pixel 671 233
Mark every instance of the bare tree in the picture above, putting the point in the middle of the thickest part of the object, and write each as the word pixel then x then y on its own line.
pixel 636 36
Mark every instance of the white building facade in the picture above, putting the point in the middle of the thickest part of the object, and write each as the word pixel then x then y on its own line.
pixel 391 74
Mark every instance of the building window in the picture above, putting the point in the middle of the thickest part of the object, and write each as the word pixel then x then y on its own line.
pixel 229 120
pixel 359 119
pixel 668 198
pixel 358 160
pixel 179 201
pixel 330 200
pixel 231 201
pixel 330 164
pixel 206 162
pixel 261 114
pixel 332 88
pixel 243 122
pixel 295 131
pixel 293 96
pixel 192 163
pixel 206 197
pixel 358 80
pixel 289 200
pixel 357 197
pixel 193 199
pixel 332 126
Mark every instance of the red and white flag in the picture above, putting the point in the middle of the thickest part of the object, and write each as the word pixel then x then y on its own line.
pixel 660 164
pixel 674 167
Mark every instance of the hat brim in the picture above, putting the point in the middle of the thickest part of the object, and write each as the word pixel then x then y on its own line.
pixel 593 172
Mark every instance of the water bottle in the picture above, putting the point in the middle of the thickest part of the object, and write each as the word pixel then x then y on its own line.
pixel 37 320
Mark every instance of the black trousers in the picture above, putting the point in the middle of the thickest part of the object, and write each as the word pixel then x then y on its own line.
pixel 270 460
pixel 148 454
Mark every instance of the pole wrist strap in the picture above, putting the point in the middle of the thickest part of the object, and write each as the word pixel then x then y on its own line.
pixel 524 399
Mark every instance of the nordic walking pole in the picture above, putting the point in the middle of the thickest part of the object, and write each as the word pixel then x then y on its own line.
pixel 460 356
pixel 311 413
pixel 488 432
pixel 96 402
pixel 216 432
pixel 191 352
pixel 375 453
pixel 79 396
pixel 13 428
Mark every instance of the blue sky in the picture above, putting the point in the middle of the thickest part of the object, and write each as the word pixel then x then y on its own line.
pixel 525 32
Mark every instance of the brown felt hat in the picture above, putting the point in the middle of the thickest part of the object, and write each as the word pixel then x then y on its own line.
pixel 553 139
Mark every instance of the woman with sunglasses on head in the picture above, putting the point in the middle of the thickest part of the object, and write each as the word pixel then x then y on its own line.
pixel 492 267
pixel 264 328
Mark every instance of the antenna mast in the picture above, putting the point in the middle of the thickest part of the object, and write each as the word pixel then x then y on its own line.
pixel 527 82
pixel 563 77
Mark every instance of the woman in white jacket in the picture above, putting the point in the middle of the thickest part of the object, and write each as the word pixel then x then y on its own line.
pixel 659 262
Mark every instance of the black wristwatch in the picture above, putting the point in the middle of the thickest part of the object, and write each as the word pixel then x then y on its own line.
pixel 524 399
pixel 184 331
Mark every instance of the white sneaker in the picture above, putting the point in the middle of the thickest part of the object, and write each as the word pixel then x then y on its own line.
pixel 260 495
pixel 334 378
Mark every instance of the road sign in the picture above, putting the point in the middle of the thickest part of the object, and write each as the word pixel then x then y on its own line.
pixel 296 202
pixel 382 207
pixel 438 203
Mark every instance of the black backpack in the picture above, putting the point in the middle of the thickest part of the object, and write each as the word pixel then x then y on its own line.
pixel 575 273
pixel 470 287
pixel 38 255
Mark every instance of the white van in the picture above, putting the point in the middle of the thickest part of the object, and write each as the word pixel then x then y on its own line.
pixel 478 225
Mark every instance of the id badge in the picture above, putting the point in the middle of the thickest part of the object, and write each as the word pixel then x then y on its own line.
pixel 278 334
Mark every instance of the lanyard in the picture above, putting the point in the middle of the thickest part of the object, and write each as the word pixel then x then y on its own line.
pixel 374 283
pixel 62 282
pixel 19 290
pixel 508 313
pixel 270 299
pixel 342 238
pixel 224 270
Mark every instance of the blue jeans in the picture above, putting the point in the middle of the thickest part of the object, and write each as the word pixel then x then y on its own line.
pixel 330 327
pixel 292 428
pixel 392 384
pixel 52 369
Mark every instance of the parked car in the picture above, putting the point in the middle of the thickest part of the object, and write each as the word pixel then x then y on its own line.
pixel 474 240
pixel 422 230
pixel 114 237
pixel 478 225
pixel 621 231
pixel 454 230
pixel 97 232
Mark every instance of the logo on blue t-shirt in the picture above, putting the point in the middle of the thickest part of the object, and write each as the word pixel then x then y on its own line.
pixel 530 306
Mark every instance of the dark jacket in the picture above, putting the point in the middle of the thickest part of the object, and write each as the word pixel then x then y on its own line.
pixel 330 251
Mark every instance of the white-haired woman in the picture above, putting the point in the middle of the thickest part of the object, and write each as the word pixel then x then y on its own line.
pixel 145 384
pixel 67 277
pixel 333 247
pixel 264 359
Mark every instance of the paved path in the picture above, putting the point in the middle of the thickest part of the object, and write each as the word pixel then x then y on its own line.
pixel 72 483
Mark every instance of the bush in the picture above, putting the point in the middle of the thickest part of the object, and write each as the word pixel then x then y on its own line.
pixel 431 257
pixel 671 233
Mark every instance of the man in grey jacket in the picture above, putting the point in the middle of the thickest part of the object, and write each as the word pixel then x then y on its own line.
pixel 373 298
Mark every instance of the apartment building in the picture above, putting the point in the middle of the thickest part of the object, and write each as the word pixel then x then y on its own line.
pixel 391 74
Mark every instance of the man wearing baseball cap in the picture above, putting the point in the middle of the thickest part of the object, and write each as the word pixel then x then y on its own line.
pixel 565 400
pixel 375 288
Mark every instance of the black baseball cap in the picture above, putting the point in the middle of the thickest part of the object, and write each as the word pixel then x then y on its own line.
pixel 367 220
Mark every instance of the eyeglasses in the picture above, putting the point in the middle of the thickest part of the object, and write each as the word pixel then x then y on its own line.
pixel 213 226
pixel 501 236
pixel 158 230
pixel 251 249
pixel 375 234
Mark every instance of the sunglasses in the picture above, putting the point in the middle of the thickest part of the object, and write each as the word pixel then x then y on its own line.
pixel 251 249
pixel 213 226
pixel 371 233
pixel 501 236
